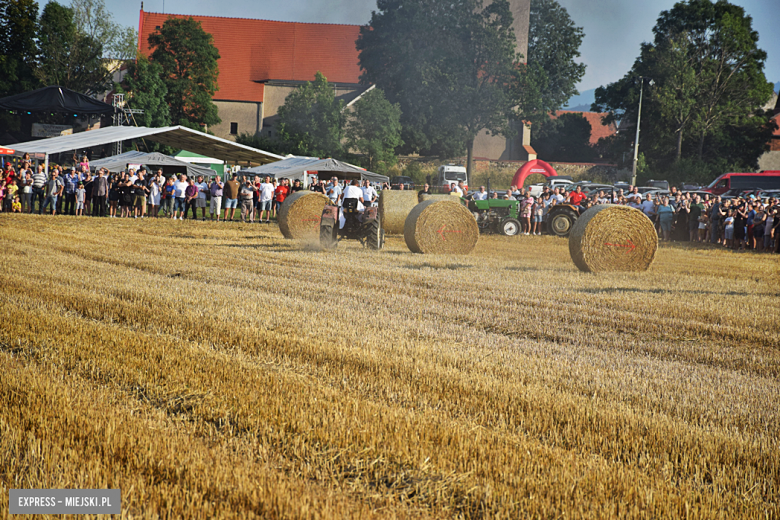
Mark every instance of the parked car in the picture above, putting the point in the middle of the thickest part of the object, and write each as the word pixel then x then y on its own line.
pixel 395 182
pixel 663 185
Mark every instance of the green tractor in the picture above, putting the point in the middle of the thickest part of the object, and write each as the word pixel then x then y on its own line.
pixel 497 216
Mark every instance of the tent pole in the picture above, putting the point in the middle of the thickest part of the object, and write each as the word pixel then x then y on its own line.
pixel 46 165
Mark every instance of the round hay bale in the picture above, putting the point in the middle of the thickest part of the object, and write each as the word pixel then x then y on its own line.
pixel 438 196
pixel 300 214
pixel 613 238
pixel 441 227
pixel 394 206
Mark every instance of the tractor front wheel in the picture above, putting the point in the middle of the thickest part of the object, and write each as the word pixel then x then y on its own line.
pixel 375 235
pixel 561 222
pixel 510 227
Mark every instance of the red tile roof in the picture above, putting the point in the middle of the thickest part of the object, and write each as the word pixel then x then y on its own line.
pixel 597 130
pixel 259 50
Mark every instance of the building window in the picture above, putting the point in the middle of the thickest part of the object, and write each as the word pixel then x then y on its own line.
pixel 233 128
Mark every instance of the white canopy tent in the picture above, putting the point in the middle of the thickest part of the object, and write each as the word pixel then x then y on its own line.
pixel 174 136
pixel 119 162
pixel 295 168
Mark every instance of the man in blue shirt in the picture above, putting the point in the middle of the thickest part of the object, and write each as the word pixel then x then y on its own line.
pixel 71 183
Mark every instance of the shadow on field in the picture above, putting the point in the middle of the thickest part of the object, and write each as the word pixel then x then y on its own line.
pixel 659 291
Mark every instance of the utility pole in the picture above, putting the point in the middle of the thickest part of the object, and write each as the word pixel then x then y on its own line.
pixel 638 118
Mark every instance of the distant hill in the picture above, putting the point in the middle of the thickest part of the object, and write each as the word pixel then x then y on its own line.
pixel 582 102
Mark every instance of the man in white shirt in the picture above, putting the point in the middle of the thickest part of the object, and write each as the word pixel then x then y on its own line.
pixel 201 201
pixel 457 188
pixel 179 189
pixel 481 194
pixel 648 206
pixel 133 177
pixel 334 191
pixel 266 199
pixel 369 194
pixel 556 196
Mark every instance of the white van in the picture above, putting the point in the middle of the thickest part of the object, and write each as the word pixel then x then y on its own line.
pixel 450 174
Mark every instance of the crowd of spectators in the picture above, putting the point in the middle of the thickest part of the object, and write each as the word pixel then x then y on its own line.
pixel 740 224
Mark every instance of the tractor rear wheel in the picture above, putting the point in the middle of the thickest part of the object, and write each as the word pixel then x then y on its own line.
pixel 561 222
pixel 328 238
pixel 510 227
pixel 375 235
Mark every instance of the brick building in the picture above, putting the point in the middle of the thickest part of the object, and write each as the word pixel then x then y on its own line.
pixel 262 61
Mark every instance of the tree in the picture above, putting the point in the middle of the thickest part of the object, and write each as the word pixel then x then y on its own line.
pixel 312 120
pixel 709 80
pixel 188 59
pixel 147 92
pixel 374 129
pixel 18 48
pixel 565 139
pixel 452 67
pixel 68 57
pixel 553 44
pixel 93 19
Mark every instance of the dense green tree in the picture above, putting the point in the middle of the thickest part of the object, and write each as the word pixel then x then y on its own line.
pixel 374 129
pixel 93 19
pixel 565 138
pixel 188 59
pixel 18 48
pixel 68 57
pixel 553 45
pixel 262 142
pixel 312 120
pixel 451 66
pixel 709 80
pixel 147 91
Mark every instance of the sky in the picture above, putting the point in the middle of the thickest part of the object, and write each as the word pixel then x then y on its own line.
pixel 614 29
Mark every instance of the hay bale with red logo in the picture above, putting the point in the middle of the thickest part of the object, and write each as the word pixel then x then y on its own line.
pixel 441 227
pixel 613 238
pixel 300 214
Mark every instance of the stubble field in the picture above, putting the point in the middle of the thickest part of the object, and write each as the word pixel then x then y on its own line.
pixel 220 371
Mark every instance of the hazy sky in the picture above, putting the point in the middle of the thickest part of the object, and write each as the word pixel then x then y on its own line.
pixel 613 29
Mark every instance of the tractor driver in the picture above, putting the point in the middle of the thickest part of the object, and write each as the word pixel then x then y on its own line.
pixel 353 191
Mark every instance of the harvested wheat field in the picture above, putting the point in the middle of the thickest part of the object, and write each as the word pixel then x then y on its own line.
pixel 221 371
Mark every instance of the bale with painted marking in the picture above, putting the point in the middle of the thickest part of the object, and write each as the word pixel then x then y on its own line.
pixel 394 206
pixel 613 238
pixel 441 227
pixel 300 214
pixel 438 196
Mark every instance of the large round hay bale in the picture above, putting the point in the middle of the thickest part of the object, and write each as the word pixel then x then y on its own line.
pixel 394 206
pixel 441 227
pixel 613 238
pixel 438 196
pixel 300 214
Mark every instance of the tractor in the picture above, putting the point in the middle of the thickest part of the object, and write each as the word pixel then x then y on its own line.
pixel 496 216
pixel 561 218
pixel 362 226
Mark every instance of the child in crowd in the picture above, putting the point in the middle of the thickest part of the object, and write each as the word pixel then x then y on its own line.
pixel 81 194
pixel 538 212
pixel 703 227
pixel 16 206
pixel 525 213
pixel 10 192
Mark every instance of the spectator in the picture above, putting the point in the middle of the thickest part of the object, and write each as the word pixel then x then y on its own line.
pixel 16 205
pixel 266 199
pixel 648 207
pixel 81 195
pixel 281 193
pixel 769 223
pixel 179 194
pixel 191 199
pixel 526 209
pixel 26 192
pixel 318 187
pixel 665 214
pixel 89 183
pixel 729 230
pixel 740 226
pixel 99 194
pixel 425 191
pixel 113 195
pixel 155 193
pixel 168 196
pixel 576 197
pixel 538 215
pixel 334 191
pixel 71 183
pixel 758 227
pixel 200 202
pixel 481 194
pixel 716 216
pixel 369 194
pixel 230 195
pixel 296 186
pixel 217 191
pixel 54 188
pixel 139 197
pixel 696 209
pixel 245 194
pixel 11 190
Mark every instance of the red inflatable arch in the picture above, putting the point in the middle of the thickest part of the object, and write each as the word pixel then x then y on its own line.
pixel 531 167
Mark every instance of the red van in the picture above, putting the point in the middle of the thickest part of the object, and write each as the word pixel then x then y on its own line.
pixel 766 180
